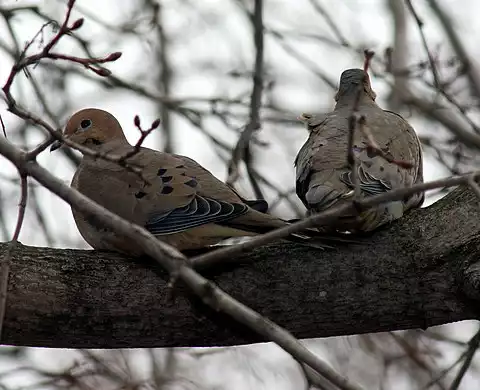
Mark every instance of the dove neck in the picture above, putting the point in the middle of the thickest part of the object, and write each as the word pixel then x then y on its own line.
pixel 112 146
pixel 350 100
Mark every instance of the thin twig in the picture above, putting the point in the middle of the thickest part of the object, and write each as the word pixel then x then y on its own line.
pixel 324 217
pixel 352 122
pixel 351 159
pixel 24 61
pixel 118 159
pixel 445 371
pixel 336 30
pixel 469 353
pixel 241 151
pixel 143 135
pixel 305 60
pixel 445 339
pixel 5 266
pixel 474 186
pixel 374 149
pixel 31 155
pixel 431 60
pixel 397 58
pixel 439 86
pixel 468 65
pixel 3 126
pixel 165 77
pixel 439 114
pixel 414 356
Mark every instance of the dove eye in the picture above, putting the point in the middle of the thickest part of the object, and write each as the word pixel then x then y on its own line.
pixel 85 124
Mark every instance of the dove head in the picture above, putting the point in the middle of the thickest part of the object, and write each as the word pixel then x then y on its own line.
pixel 351 80
pixel 91 127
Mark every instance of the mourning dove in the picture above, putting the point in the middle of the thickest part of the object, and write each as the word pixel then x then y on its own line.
pixel 174 198
pixel 323 176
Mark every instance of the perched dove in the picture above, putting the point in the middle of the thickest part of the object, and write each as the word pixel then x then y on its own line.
pixel 177 200
pixel 324 177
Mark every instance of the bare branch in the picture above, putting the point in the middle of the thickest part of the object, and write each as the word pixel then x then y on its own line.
pixel 440 114
pixel 352 124
pixel 431 60
pixel 373 147
pixel 23 62
pixel 397 57
pixel 143 135
pixel 241 151
pixel 474 186
pixel 165 77
pixel 414 280
pixel 336 29
pixel 5 266
pixel 176 264
pixel 469 67
pixel 326 216
pixel 468 356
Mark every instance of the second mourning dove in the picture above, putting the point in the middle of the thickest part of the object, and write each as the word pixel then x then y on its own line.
pixel 324 177
pixel 176 199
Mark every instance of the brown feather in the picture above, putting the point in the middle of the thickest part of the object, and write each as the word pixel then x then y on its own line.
pixel 169 184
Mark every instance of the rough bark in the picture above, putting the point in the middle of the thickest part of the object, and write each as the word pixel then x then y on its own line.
pixel 418 272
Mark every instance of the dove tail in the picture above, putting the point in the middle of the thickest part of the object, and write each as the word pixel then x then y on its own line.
pixel 309 237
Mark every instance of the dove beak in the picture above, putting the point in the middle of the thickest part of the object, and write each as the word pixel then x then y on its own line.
pixel 56 145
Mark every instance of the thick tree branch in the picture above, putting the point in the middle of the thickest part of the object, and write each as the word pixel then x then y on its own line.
pixel 417 273
pixel 175 263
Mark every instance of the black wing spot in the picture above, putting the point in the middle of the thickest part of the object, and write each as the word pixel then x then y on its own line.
pixel 180 166
pixel 167 190
pixel 94 141
pixel 140 194
pixel 166 179
pixel 371 153
pixel 161 172
pixel 191 183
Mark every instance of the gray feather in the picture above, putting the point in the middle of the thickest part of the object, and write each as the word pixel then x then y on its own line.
pixel 323 177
